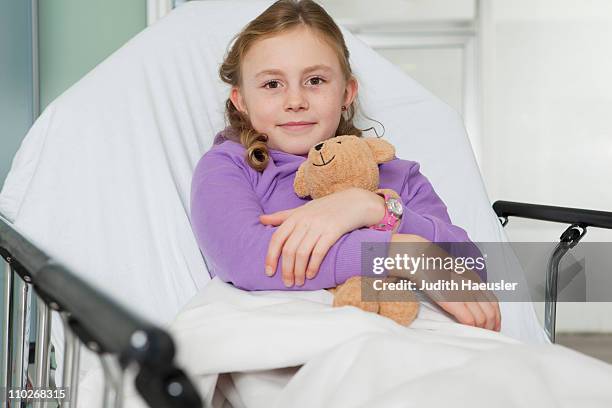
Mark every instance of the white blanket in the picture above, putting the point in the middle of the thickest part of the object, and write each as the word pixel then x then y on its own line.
pixel 291 349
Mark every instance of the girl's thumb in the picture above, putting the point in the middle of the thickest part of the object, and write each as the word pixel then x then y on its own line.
pixel 274 218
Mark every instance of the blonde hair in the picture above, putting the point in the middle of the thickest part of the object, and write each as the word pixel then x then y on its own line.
pixel 281 16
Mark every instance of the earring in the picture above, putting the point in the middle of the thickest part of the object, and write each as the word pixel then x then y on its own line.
pixel 343 107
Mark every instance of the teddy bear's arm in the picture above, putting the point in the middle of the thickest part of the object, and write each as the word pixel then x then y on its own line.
pixel 389 192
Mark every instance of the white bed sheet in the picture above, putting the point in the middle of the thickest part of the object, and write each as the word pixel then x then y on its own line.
pixel 102 180
pixel 271 349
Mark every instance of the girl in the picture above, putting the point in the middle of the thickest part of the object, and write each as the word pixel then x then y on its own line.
pixel 291 88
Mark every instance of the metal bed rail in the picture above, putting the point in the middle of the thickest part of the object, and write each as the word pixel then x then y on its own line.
pixel 579 219
pixel 120 339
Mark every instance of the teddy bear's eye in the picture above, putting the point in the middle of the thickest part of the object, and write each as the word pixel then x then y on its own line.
pixel 339 142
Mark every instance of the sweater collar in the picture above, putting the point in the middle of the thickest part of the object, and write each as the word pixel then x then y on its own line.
pixel 288 156
pixel 278 155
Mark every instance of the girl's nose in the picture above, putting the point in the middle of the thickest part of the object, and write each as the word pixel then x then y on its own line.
pixel 318 147
pixel 296 100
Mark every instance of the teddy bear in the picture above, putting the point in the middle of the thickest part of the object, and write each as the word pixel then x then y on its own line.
pixel 339 163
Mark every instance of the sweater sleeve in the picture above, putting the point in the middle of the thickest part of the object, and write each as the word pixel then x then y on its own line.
pixel 425 214
pixel 225 214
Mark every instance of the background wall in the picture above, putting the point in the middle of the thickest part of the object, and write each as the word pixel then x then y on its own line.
pixel 15 78
pixel 76 35
pixel 548 131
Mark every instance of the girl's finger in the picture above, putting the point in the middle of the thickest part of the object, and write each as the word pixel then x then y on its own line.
pixel 489 312
pixel 318 254
pixel 288 254
pixel 495 306
pixel 492 299
pixel 490 296
pixel 275 247
pixel 479 317
pixel 303 254
pixel 460 311
pixel 275 218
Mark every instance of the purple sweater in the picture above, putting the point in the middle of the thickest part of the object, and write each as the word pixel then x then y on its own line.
pixel 227 197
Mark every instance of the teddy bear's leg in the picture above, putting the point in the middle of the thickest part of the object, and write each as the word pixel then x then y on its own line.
pixel 403 313
pixel 349 294
pixel 402 307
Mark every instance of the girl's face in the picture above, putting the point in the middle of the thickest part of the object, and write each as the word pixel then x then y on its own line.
pixel 293 77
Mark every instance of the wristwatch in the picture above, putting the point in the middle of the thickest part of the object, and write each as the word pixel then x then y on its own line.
pixel 393 213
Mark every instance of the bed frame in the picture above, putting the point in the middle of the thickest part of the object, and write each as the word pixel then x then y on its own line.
pixel 123 341
pixel 578 218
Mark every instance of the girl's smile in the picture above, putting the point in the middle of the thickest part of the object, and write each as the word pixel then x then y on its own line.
pixel 297 127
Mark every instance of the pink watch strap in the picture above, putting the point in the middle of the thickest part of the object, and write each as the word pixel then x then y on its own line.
pixel 389 220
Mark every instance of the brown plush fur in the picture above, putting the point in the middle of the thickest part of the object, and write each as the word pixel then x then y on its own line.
pixel 350 161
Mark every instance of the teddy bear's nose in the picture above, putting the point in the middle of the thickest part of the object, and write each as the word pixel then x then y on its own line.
pixel 318 147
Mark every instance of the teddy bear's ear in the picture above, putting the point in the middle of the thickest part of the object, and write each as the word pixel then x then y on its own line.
pixel 299 184
pixel 383 150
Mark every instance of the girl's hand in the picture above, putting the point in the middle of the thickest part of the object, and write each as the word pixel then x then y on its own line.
pixel 308 231
pixel 478 308
pixel 471 307
pixel 479 313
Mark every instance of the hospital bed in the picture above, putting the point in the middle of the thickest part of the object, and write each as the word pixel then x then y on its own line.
pixel 98 198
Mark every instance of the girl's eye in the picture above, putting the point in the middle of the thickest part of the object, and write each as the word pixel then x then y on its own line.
pixel 271 82
pixel 339 142
pixel 319 79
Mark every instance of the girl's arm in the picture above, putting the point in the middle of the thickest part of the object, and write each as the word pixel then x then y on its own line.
pixel 425 214
pixel 425 228
pixel 308 231
pixel 478 308
pixel 225 219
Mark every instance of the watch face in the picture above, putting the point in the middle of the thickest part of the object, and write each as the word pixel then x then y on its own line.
pixel 395 206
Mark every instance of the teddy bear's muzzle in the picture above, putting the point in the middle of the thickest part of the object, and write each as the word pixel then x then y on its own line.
pixel 324 162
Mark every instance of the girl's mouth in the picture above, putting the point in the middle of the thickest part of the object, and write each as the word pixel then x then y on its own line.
pixel 297 128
